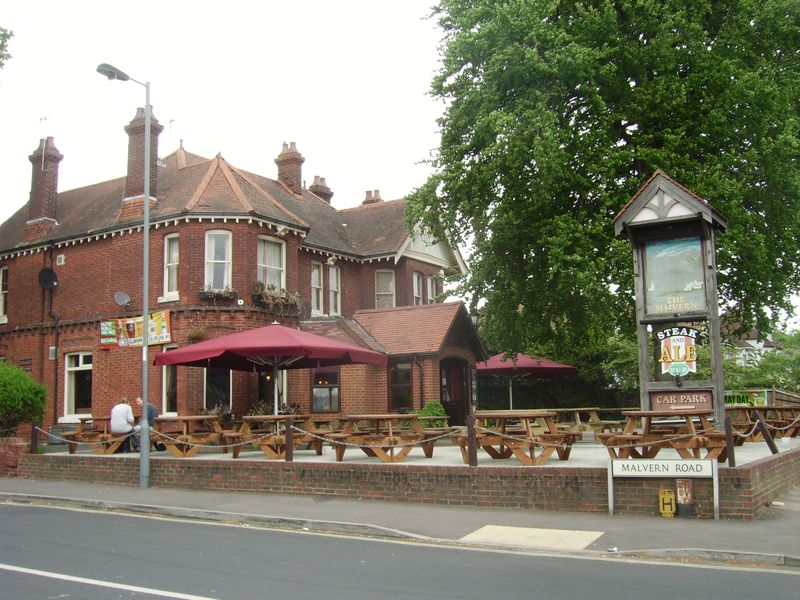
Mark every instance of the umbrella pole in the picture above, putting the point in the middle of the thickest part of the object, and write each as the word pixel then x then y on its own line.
pixel 510 393
pixel 275 388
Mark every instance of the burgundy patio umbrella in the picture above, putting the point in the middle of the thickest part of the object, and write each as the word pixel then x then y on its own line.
pixel 272 347
pixel 524 366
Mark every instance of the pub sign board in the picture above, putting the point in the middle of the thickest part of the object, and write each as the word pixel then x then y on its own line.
pixel 678 350
pixel 678 400
pixel 673 275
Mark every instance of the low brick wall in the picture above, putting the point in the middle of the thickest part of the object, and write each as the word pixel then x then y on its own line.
pixel 745 492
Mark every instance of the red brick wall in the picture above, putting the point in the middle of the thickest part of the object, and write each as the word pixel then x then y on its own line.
pixel 744 491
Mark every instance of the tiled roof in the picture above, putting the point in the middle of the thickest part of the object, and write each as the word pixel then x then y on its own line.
pixel 342 330
pixel 376 228
pixel 189 184
pixel 411 329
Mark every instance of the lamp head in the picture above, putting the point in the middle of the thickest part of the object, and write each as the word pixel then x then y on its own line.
pixel 112 72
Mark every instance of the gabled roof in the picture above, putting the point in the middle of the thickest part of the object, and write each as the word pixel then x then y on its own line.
pixel 421 329
pixel 662 199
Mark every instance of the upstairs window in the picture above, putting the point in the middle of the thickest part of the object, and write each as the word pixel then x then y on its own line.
pixel 325 390
pixel 171 257
pixel 335 290
pixel 384 289
pixel 218 260
pixel 434 288
pixel 316 289
pixel 271 265
pixel 3 294
pixel 417 288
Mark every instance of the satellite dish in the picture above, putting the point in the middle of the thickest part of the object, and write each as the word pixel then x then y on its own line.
pixel 48 279
pixel 122 298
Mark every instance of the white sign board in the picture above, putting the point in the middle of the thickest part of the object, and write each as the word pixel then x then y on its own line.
pixel 681 469
pixel 675 469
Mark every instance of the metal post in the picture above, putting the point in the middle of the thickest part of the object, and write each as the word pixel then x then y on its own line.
pixel 729 442
pixel 472 442
pixel 144 433
pixel 289 439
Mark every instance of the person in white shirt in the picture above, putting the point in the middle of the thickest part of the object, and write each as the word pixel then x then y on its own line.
pixel 122 420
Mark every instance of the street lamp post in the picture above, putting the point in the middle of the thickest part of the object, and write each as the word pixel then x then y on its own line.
pixel 144 440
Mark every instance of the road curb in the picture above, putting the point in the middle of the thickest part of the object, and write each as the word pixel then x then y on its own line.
pixel 781 560
pixel 278 522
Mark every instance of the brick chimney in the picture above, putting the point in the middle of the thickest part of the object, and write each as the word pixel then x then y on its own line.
pixel 372 197
pixel 290 167
pixel 44 189
pixel 134 182
pixel 321 189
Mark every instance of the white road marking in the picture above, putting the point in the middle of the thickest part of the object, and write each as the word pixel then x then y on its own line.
pixel 107 584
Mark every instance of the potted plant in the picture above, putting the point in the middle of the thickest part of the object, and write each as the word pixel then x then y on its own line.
pixel 279 302
pixel 209 293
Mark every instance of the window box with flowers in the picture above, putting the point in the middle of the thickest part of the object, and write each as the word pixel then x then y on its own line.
pixel 279 302
pixel 208 293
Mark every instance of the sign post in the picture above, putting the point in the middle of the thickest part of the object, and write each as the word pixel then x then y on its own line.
pixel 672 232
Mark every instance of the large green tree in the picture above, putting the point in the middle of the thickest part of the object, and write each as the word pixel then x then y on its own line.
pixel 5 35
pixel 556 112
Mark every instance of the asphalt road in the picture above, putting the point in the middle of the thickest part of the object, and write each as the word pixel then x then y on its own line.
pixel 51 553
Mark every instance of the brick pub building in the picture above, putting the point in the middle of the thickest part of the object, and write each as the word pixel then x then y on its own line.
pixel 229 250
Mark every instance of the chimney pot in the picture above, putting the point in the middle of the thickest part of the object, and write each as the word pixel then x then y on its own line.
pixel 321 189
pixel 290 167
pixel 134 182
pixel 44 189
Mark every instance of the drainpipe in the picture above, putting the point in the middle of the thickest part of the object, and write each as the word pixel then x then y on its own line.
pixel 421 381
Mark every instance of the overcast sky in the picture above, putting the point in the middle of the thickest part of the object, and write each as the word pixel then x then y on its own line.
pixel 347 80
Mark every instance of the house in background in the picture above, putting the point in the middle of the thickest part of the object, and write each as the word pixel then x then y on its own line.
pixel 229 250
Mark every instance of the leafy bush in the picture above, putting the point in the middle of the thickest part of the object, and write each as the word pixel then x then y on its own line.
pixel 433 408
pixel 22 400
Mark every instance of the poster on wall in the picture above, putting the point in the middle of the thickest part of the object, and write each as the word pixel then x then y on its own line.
pixel 674 279
pixel 128 332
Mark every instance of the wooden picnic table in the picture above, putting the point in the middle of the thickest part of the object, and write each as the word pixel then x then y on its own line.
pixel 666 429
pixel 183 435
pixel 389 437
pixel 519 433
pixel 268 433
pixel 95 431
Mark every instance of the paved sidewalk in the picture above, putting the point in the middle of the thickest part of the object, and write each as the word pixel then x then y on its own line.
pixel 774 541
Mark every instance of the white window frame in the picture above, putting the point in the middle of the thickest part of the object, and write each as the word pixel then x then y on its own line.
pixel 171 268
pixel 210 262
pixel 335 290
pixel 263 268
pixel 417 287
pixel 431 285
pixel 317 289
pixel 3 294
pixel 69 386
pixel 378 294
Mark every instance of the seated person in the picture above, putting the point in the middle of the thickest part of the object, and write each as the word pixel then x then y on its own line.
pixel 122 423
pixel 152 413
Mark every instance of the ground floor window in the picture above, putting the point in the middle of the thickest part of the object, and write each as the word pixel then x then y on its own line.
pixel 78 383
pixel 169 392
pixel 325 390
pixel 266 392
pixel 400 386
pixel 218 388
